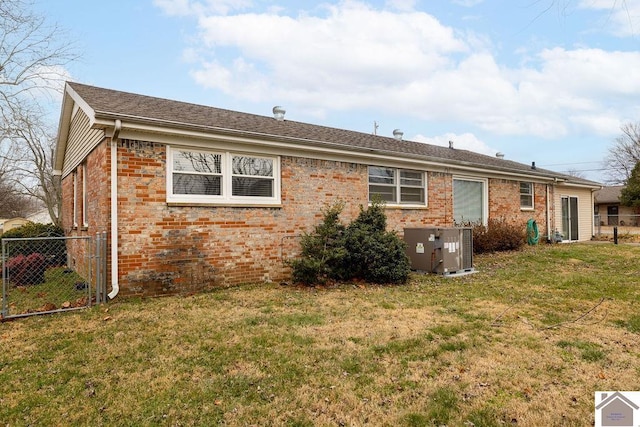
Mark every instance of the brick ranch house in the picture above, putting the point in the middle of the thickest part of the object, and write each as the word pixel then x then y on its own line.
pixel 609 211
pixel 193 197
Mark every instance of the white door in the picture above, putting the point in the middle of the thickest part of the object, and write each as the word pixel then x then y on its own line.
pixel 570 218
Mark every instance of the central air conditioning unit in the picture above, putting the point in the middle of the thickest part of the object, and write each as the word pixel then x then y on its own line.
pixel 446 251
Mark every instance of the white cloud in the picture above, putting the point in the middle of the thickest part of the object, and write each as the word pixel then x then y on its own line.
pixel 47 83
pixel 216 76
pixel 311 56
pixel 598 124
pixel 621 18
pixel 465 141
pixel 402 5
pixel 351 55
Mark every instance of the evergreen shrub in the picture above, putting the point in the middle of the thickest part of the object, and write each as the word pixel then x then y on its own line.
pixel 362 250
pixel 374 254
pixel 322 251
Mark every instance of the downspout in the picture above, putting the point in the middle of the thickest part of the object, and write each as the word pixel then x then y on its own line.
pixel 115 287
pixel 548 208
pixel 593 216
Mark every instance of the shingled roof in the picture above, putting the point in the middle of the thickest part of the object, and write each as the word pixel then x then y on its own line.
pixel 113 104
pixel 609 194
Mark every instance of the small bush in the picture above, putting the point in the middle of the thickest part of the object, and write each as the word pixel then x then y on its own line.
pixel 372 253
pixel 54 251
pixel 498 235
pixel 26 270
pixel 322 251
pixel 363 250
pixel 33 229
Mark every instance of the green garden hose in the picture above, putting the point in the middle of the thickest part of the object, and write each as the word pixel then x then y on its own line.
pixel 532 232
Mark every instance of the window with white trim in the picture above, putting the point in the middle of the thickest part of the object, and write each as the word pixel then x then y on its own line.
pixel 202 176
pixel 470 201
pixel 526 195
pixel 397 186
pixel 74 178
pixel 85 222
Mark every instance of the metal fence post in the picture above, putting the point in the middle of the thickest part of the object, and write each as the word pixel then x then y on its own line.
pixel 104 265
pixel 98 272
pixel 4 279
pixel 101 267
pixel 90 256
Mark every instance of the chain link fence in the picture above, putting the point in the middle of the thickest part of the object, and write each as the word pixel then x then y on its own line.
pixel 625 224
pixel 39 277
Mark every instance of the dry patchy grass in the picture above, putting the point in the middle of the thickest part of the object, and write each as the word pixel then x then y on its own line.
pixel 526 340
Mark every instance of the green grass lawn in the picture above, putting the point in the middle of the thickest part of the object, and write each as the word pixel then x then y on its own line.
pixel 525 341
pixel 62 288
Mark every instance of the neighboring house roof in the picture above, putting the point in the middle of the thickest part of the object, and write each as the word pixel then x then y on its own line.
pixel 40 217
pixel 608 195
pixel 14 219
pixel 9 223
pixel 104 105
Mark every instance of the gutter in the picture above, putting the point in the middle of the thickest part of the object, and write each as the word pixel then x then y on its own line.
pixel 115 286
pixel 316 146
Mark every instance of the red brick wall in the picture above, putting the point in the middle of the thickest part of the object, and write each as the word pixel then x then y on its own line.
pixel 67 204
pixel 438 213
pixel 177 249
pixel 98 214
pixel 180 249
pixel 504 204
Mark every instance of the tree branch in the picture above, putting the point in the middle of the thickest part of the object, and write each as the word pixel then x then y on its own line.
pixel 582 316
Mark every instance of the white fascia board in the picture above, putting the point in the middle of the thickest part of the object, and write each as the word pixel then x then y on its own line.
pixel 577 185
pixel 277 145
pixel 82 104
pixel 64 126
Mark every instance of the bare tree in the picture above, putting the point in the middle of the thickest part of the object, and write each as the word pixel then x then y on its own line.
pixel 575 173
pixel 29 153
pixel 33 55
pixel 623 155
pixel 13 203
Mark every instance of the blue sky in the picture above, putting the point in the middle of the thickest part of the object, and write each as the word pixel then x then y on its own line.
pixel 549 81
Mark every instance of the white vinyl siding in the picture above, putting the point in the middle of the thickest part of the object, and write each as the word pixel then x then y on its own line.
pixel 585 210
pixel 82 140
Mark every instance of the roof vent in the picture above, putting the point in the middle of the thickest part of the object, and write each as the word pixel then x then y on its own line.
pixel 533 165
pixel 450 144
pixel 278 113
pixel 397 134
pixel 500 155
